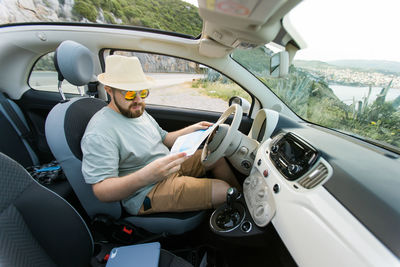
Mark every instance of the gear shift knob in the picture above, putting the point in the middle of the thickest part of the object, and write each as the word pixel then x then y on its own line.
pixel 231 196
pixel 229 216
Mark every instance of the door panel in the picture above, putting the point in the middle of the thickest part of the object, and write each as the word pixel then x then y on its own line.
pixel 172 118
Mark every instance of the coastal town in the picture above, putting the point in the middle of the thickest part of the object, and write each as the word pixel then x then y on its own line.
pixel 353 76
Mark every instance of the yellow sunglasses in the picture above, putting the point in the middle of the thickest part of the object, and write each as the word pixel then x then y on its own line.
pixel 130 95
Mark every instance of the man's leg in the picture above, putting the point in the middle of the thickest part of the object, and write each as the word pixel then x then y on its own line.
pixel 218 192
pixel 222 171
pixel 183 192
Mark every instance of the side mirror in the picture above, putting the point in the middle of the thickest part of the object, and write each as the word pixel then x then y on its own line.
pixel 241 102
pixel 279 64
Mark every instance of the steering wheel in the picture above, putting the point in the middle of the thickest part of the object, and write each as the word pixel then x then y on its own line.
pixel 210 156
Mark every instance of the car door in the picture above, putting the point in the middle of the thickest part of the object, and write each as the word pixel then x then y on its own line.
pixel 175 118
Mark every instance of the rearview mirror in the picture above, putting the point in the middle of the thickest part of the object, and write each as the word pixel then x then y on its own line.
pixel 279 64
pixel 241 102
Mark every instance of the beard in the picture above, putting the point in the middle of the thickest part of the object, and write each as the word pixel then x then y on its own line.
pixel 128 112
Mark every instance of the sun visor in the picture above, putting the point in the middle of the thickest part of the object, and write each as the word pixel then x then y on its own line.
pixel 238 14
pixel 243 24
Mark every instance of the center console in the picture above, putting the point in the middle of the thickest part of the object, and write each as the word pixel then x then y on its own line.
pixel 287 156
pixel 233 218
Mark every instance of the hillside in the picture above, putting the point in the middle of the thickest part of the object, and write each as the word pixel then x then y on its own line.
pixel 168 15
pixel 382 66
pixel 309 64
pixel 376 73
pixel 377 65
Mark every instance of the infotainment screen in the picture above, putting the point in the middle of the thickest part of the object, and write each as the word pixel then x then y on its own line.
pixel 292 156
pixel 291 151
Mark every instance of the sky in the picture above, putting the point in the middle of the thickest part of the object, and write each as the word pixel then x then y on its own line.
pixel 193 2
pixel 347 29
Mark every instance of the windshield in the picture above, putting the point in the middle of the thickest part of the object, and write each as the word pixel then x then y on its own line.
pixel 168 15
pixel 348 78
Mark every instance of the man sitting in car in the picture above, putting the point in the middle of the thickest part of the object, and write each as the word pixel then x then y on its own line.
pixel 126 153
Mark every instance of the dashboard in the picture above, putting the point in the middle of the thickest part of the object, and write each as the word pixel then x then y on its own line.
pixel 296 163
pixel 314 194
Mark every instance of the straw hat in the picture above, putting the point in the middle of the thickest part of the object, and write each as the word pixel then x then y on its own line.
pixel 125 73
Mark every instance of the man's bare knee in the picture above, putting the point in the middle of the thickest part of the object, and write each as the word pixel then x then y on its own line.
pixel 219 189
pixel 222 171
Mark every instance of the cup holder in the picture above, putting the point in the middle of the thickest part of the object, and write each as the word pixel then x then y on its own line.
pixel 226 219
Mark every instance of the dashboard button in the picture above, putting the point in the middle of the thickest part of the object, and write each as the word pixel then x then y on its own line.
pixel 261 193
pixel 246 164
pixel 246 226
pixel 254 182
pixel 274 149
pixel 259 211
pixel 243 151
pixel 293 168
pixel 276 188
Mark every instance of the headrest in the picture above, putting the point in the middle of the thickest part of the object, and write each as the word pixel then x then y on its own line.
pixel 74 62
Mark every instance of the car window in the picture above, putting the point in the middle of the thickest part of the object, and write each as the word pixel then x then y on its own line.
pixel 187 84
pixel 345 80
pixel 44 77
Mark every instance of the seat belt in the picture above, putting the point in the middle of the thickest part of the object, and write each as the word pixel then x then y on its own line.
pixel 16 121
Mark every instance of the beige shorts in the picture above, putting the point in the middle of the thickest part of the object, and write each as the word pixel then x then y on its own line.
pixel 181 191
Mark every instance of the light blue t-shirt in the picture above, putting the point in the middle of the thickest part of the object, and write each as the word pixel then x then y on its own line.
pixel 114 146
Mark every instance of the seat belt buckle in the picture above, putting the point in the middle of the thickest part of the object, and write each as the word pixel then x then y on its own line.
pixel 127 230
pixel 124 233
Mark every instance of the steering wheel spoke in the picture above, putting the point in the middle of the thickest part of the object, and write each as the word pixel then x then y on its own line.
pixel 219 140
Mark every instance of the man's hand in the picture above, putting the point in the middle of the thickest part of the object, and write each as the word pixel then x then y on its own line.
pixel 162 167
pixel 118 188
pixel 203 125
pixel 171 136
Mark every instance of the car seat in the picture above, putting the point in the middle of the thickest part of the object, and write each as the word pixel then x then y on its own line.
pixel 65 126
pixel 39 228
pixel 16 135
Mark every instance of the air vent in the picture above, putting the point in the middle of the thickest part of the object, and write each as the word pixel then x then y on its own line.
pixel 315 177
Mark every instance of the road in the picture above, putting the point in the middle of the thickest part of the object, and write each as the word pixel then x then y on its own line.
pixel 182 95
pixel 170 79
